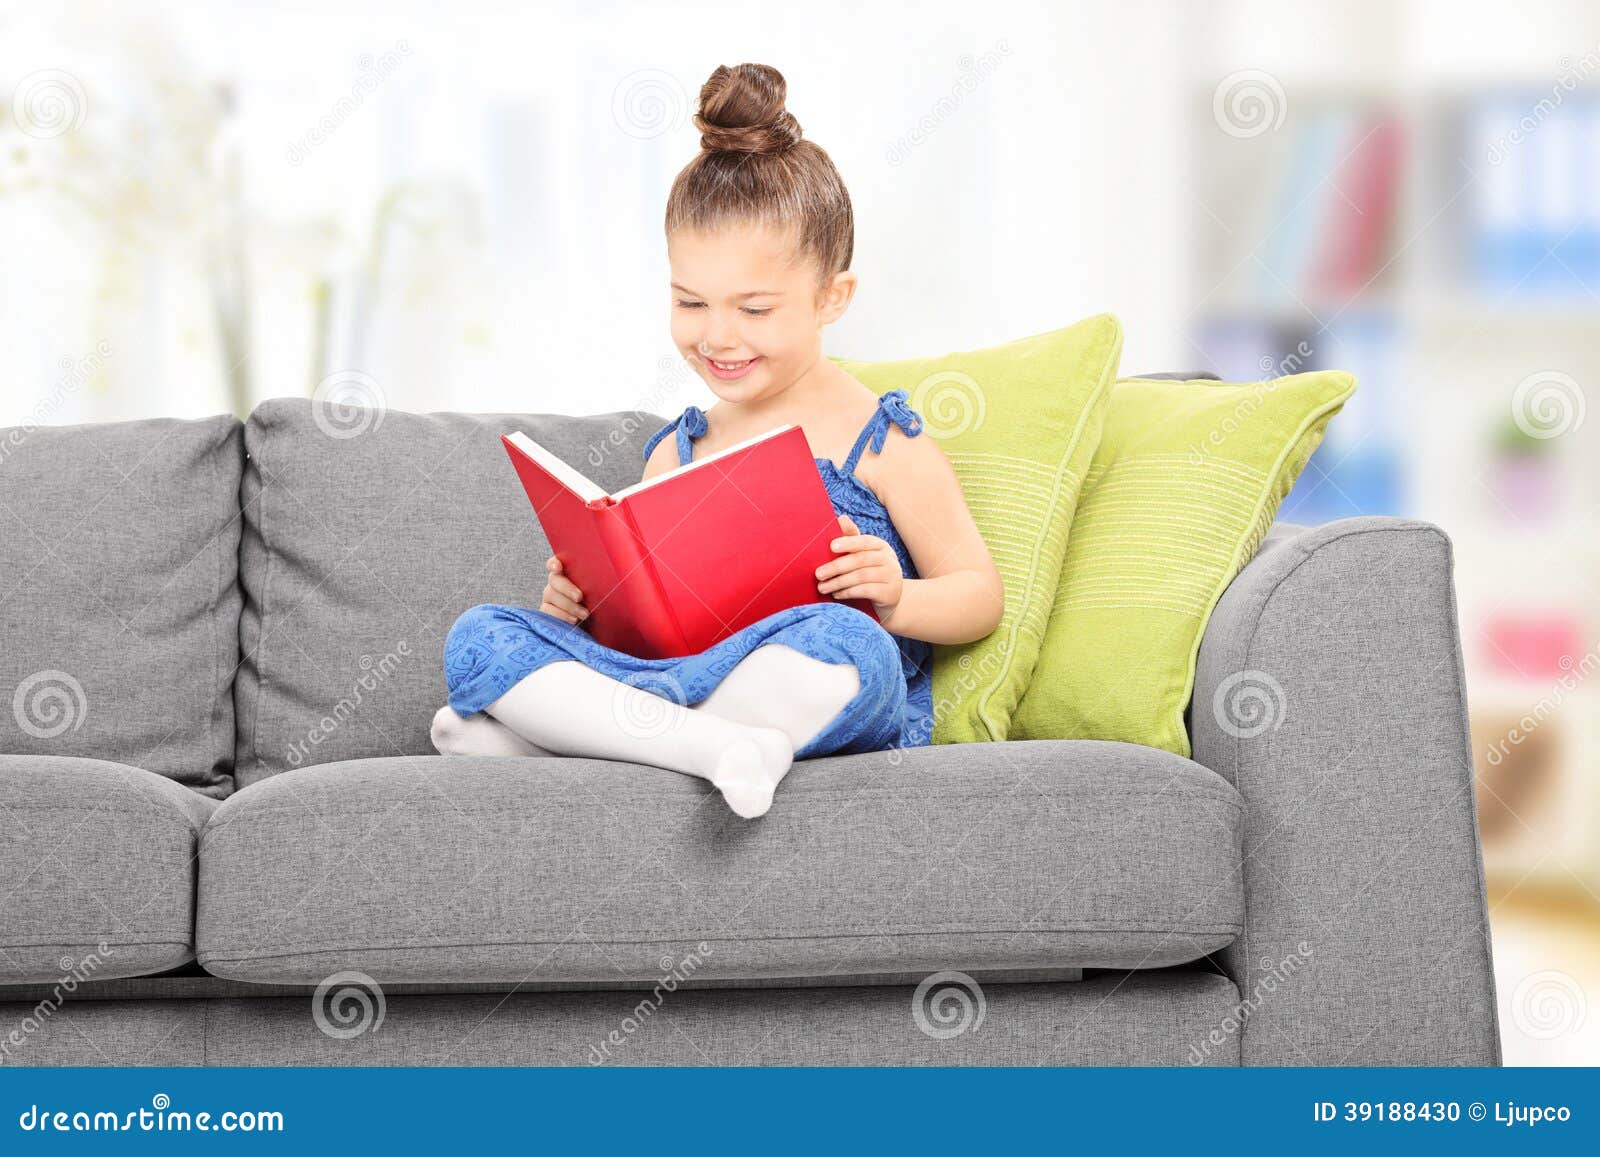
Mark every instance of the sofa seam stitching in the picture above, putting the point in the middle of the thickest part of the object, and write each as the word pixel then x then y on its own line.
pixel 182 942
pixel 260 815
pixel 261 613
pixel 672 936
pixel 211 615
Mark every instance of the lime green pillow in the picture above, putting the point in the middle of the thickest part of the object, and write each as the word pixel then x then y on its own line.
pixel 1019 422
pixel 1187 478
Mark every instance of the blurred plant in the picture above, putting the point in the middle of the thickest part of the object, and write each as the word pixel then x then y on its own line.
pixel 438 220
pixel 137 154
pixel 1512 441
pixel 1524 473
pixel 130 148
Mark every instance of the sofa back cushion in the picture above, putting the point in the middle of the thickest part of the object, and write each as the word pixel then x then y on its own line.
pixel 119 605
pixel 364 539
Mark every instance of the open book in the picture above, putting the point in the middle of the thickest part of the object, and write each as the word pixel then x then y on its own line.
pixel 683 560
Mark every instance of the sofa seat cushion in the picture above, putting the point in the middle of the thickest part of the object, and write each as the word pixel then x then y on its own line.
pixel 973 857
pixel 97 869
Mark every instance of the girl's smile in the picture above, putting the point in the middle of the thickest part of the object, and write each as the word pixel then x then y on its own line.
pixel 731 371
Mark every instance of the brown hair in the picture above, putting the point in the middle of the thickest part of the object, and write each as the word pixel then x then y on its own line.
pixel 753 166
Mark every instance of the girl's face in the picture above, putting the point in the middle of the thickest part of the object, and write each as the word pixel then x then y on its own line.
pixel 746 313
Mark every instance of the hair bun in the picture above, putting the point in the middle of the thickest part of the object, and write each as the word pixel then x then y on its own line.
pixel 741 111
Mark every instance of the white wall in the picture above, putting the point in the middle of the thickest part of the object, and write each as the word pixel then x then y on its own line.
pixel 523 266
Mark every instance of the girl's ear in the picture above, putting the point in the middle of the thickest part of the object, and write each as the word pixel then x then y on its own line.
pixel 835 297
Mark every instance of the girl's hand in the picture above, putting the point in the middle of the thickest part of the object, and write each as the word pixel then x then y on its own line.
pixel 865 569
pixel 561 598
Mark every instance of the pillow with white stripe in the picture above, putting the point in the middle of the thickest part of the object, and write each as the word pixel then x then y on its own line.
pixel 1019 422
pixel 1187 478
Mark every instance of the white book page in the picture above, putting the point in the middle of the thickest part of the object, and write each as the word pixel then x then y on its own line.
pixel 706 461
pixel 566 475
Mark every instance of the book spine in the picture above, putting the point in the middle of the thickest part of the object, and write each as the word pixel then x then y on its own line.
pixel 637 575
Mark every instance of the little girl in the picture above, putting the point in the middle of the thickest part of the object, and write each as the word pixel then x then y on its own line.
pixel 759 237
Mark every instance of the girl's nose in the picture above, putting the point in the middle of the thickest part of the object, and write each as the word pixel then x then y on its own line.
pixel 719 336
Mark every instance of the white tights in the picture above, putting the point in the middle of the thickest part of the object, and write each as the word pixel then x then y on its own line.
pixel 742 737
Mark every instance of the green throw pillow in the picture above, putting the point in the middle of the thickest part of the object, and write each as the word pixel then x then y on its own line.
pixel 1187 479
pixel 1019 422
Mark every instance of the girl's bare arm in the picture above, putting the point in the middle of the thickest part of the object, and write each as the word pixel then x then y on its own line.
pixel 959 596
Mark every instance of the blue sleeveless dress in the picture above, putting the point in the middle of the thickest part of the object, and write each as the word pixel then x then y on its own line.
pixel 492 646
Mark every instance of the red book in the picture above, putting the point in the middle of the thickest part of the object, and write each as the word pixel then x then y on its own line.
pixel 681 561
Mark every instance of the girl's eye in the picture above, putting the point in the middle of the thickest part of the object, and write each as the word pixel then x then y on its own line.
pixel 684 303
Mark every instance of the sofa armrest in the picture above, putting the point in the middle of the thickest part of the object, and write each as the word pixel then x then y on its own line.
pixel 1329 692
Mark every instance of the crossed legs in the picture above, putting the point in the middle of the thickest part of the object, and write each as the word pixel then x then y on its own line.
pixel 742 737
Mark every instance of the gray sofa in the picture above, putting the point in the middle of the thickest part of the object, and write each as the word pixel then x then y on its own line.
pixel 227 839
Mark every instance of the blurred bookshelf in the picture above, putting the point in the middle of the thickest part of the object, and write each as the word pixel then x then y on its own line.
pixel 1442 242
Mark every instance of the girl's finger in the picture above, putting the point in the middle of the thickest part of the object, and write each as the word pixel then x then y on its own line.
pixel 871 574
pixel 566 586
pixel 553 564
pixel 872 592
pixel 842 564
pixel 852 556
pixel 852 562
pixel 556 612
pixel 856 542
pixel 848 524
pixel 575 609
pixel 852 572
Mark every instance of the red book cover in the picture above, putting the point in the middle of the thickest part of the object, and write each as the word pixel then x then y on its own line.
pixel 678 563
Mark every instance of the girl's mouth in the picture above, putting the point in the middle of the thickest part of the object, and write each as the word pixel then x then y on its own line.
pixel 730 371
